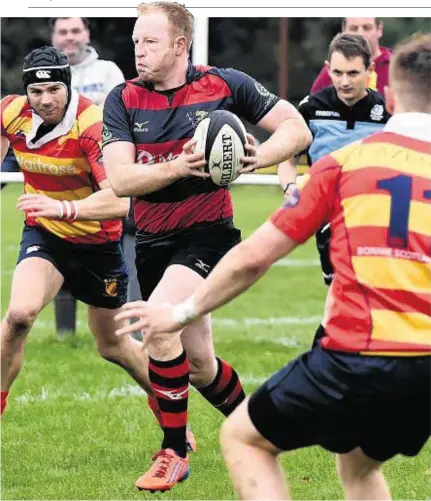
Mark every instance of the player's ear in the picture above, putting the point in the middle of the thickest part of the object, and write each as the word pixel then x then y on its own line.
pixel 327 65
pixel 372 66
pixel 180 45
pixel 390 100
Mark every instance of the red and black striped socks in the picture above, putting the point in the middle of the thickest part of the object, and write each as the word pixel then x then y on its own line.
pixel 225 393
pixel 170 383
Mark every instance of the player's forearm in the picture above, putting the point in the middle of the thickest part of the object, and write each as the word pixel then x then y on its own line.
pixel 289 139
pixel 129 180
pixel 287 172
pixel 102 205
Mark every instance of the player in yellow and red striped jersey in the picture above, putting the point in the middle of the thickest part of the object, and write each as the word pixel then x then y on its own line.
pixel 364 390
pixel 72 229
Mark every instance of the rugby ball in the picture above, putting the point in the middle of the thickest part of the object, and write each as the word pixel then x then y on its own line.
pixel 221 136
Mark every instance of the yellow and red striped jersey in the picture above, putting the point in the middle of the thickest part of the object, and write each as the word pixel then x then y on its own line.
pixel 65 164
pixel 376 194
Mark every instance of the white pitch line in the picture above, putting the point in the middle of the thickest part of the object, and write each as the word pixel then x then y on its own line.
pixel 252 322
pixel 299 263
pixel 124 391
pixel 285 263
pixel 232 323
pixel 10 248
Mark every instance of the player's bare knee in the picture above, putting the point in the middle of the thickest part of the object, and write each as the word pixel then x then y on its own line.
pixel 21 319
pixel 162 347
pixel 351 468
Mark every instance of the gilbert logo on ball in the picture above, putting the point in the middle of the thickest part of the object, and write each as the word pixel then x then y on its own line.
pixel 221 137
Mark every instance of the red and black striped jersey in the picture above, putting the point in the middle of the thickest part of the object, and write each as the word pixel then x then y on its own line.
pixel 376 193
pixel 158 123
pixel 65 164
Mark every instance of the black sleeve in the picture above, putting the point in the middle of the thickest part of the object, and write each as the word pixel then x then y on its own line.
pixel 116 126
pixel 304 109
pixel 252 101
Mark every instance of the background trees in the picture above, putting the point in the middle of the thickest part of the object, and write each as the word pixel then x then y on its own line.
pixel 248 44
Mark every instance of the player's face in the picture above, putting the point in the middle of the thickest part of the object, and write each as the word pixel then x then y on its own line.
pixel 367 27
pixel 349 77
pixel 154 47
pixel 71 37
pixel 48 101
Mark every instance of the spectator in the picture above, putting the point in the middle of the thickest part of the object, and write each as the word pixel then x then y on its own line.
pixel 91 77
pixel 372 29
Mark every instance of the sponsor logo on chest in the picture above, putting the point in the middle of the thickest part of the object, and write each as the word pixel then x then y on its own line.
pixel 327 113
pixel 35 164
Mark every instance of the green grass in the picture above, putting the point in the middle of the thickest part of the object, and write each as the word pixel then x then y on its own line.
pixel 76 428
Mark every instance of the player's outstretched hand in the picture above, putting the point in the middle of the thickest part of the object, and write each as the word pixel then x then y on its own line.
pixel 39 206
pixel 251 161
pixel 153 319
pixel 189 163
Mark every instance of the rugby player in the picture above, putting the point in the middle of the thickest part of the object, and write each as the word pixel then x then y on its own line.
pixel 184 221
pixel 72 231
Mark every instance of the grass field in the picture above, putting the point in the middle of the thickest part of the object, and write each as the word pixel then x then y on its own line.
pixel 77 427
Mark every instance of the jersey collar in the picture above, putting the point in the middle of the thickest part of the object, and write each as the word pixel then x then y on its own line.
pixel 415 125
pixel 59 130
pixel 359 104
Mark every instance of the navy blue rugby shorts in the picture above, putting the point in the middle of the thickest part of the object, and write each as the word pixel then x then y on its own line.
pixel 199 249
pixel 94 274
pixel 341 401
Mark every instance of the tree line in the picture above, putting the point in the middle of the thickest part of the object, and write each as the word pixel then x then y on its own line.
pixel 248 44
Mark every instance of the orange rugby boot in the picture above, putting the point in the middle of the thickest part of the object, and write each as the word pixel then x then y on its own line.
pixel 167 470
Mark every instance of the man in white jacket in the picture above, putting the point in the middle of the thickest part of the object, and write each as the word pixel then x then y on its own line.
pixel 92 78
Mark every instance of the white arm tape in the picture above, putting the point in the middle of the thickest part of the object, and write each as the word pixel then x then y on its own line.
pixel 185 313
pixel 60 210
pixel 68 209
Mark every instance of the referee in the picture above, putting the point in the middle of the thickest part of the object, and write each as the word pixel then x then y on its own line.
pixel 337 116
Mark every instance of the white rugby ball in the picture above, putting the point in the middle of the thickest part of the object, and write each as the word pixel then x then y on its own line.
pixel 221 136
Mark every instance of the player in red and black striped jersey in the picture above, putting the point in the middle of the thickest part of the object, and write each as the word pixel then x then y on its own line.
pixel 364 392
pixel 72 231
pixel 184 221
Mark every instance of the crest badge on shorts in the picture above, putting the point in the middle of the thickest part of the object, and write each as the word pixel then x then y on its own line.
pixel 111 286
